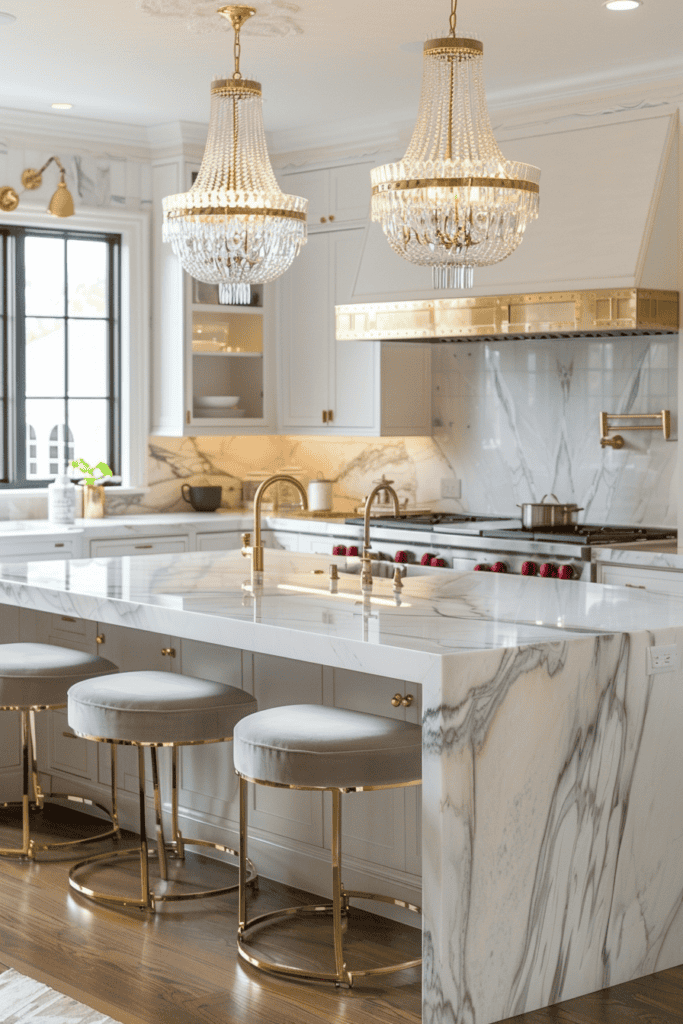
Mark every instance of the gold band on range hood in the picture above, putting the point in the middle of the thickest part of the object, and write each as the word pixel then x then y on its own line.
pixel 601 313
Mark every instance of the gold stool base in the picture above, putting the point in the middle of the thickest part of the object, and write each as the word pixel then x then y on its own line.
pixel 29 848
pixel 314 910
pixel 338 909
pixel 149 898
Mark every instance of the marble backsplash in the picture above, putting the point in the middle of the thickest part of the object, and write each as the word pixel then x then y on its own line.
pixel 513 421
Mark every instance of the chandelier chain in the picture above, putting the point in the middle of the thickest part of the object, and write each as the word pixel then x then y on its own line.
pixel 453 19
pixel 238 50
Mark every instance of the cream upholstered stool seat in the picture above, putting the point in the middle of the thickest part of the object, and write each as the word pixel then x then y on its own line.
pixel 33 678
pixel 306 746
pixel 155 709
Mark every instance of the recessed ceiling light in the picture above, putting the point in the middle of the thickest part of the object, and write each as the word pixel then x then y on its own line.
pixel 6 19
pixel 61 106
pixel 622 5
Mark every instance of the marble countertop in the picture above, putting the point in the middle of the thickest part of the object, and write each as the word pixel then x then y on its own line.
pixel 200 596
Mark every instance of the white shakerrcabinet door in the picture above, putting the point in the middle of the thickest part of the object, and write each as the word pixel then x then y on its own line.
pixel 295 815
pixel 207 781
pixel 305 331
pixel 133 650
pixel 228 541
pixel 374 825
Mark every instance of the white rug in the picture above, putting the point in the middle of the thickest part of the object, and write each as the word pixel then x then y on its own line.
pixel 25 1001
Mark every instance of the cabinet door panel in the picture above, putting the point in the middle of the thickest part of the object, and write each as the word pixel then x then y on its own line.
pixel 295 815
pixel 10 744
pixel 355 363
pixel 219 541
pixel 314 186
pixel 373 824
pixel 351 192
pixel 132 650
pixel 306 325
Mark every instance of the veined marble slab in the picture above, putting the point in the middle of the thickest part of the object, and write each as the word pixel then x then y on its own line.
pixel 552 763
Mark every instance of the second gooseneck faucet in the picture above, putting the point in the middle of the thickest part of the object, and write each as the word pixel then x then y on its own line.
pixel 255 551
pixel 366 564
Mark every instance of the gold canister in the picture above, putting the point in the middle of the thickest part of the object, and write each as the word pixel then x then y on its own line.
pixel 93 501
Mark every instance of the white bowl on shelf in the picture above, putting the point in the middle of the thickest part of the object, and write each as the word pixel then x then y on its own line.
pixel 217 401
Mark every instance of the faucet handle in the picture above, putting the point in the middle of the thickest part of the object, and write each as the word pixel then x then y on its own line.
pixel 246 542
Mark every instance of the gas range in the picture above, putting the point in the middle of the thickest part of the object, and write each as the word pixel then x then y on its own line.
pixel 465 541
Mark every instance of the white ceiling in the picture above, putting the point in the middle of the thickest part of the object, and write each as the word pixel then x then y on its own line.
pixel 356 62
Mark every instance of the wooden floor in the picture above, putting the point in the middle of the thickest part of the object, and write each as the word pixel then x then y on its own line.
pixel 180 966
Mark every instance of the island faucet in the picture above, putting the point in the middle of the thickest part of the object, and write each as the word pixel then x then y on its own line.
pixel 256 551
pixel 366 563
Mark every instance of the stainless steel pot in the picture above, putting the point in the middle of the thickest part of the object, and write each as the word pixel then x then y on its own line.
pixel 536 514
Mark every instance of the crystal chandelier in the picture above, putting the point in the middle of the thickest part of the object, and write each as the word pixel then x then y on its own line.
pixel 454 202
pixel 235 227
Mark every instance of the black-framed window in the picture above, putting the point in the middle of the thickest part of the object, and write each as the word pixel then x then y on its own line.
pixel 61 352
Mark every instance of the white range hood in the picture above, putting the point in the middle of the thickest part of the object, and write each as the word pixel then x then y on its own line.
pixel 601 258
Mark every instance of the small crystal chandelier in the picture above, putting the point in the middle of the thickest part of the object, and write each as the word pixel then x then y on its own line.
pixel 235 227
pixel 454 202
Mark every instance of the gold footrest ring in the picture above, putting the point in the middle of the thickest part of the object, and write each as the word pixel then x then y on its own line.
pixel 275 967
pixel 107 859
pixel 113 831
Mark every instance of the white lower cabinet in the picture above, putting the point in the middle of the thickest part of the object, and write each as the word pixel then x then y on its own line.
pixel 375 825
pixel 659 581
pixel 219 541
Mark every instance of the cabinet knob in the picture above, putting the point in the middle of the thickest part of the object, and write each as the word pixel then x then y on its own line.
pixel 331 216
pixel 330 415
pixel 100 638
pixel 168 652
pixel 323 220
pixel 324 415
pixel 398 701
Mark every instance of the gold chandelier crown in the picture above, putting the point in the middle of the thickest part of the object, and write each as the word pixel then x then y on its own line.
pixel 235 227
pixel 454 202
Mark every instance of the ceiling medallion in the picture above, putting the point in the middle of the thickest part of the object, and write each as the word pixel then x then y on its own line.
pixel 454 202
pixel 274 16
pixel 235 227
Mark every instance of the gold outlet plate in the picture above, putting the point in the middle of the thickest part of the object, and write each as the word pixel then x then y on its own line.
pixel 605 312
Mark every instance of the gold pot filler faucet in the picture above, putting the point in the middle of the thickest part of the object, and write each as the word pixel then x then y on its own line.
pixel 256 551
pixel 366 563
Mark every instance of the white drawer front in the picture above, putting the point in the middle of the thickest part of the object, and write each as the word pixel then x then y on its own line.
pixel 139 546
pixel 659 581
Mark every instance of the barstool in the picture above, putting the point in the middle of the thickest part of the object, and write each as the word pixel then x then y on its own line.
pixel 155 709
pixel 37 677
pixel 306 746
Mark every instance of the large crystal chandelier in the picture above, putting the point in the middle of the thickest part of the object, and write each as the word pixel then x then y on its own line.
pixel 235 227
pixel 454 202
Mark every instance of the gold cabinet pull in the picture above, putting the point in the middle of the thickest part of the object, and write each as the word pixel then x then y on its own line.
pixel 168 652
pixel 634 586
pixel 188 417
pixel 331 216
pixel 324 415
pixel 67 618
pixel 59 545
pixel 100 638
pixel 142 547
pixel 398 701
pixel 323 220
pixel 330 416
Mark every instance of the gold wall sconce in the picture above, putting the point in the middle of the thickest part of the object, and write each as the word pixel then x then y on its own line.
pixel 663 424
pixel 61 204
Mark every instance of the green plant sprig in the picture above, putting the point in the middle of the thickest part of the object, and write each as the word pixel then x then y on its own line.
pixel 91 479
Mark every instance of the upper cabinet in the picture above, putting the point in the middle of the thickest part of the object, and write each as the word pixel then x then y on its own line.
pixel 331 387
pixel 212 365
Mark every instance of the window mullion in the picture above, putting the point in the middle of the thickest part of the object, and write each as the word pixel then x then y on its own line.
pixel 19 348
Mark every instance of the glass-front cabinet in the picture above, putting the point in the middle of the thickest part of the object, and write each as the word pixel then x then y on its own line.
pixel 227 367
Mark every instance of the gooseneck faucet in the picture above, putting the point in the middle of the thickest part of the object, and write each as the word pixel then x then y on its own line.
pixel 366 563
pixel 256 551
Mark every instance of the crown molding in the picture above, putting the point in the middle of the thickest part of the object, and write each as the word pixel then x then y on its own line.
pixel 186 138
pixel 28 129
